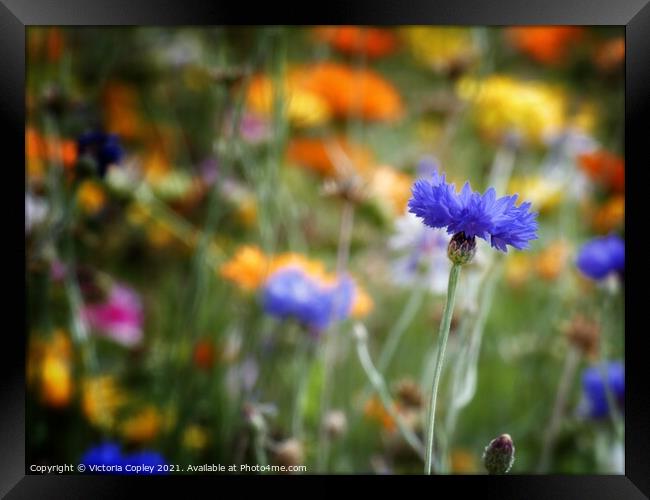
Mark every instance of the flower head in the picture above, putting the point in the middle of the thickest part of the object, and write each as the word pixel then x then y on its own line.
pixel 595 390
pixel 109 457
pixel 104 149
pixel 292 293
pixel 498 221
pixel 119 318
pixel 106 453
pixel 602 256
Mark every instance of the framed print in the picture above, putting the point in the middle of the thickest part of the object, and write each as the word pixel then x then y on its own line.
pixel 354 240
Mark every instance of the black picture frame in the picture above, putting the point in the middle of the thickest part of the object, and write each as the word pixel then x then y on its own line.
pixel 16 15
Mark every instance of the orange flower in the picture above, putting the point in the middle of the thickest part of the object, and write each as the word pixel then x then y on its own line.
pixel 545 44
pixel 39 148
pixel 353 92
pixel 609 216
pixel 91 197
pixel 120 102
pixel 319 155
pixel 374 410
pixel 248 268
pixel 204 354
pixel 55 44
pixel 143 426
pixel 373 42
pixel 606 168
pixel 552 260
pixel 463 461
pixel 610 54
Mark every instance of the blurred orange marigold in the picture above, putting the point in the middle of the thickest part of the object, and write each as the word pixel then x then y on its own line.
pixel 606 168
pixel 545 44
pixel 372 42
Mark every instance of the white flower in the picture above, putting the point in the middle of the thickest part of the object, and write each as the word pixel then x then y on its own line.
pixel 36 209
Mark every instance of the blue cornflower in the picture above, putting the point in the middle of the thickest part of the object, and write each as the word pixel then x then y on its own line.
pixel 107 453
pixel 107 457
pixel 104 149
pixel 593 386
pixel 602 256
pixel 292 293
pixel 497 220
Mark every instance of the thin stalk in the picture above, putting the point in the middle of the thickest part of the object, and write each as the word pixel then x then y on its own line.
pixel 568 375
pixel 379 385
pixel 442 345
pixel 404 320
pixel 304 351
pixel 343 252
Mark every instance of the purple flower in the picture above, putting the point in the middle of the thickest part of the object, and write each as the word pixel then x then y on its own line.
pixel 497 220
pixel 119 318
pixel 254 129
pixel 292 293
pixel 595 392
pixel 602 256
pixel 104 149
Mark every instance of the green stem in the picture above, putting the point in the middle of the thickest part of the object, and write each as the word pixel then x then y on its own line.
pixel 442 345
pixel 379 385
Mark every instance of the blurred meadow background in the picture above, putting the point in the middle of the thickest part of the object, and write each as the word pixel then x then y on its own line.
pixel 174 175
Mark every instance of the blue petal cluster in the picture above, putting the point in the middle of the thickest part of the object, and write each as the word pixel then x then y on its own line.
pixel 497 220
pixel 292 293
pixel 602 256
pixel 104 148
pixel 593 386
pixel 110 454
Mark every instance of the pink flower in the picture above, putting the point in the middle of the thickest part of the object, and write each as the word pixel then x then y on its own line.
pixel 119 318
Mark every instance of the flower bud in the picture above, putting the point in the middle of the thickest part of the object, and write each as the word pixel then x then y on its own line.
pixel 461 249
pixel 289 453
pixel 336 423
pixel 499 455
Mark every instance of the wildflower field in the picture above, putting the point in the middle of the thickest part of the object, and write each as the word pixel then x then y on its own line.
pixel 344 249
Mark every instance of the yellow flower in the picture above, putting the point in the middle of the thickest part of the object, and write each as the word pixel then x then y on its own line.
pixel 247 210
pixel 91 197
pixel 442 49
pixel 517 269
pixel 304 108
pixel 101 400
pixel 543 193
pixel 362 304
pixel 502 105
pixel 248 268
pixel 144 426
pixel 195 437
pixel 49 365
pixel 159 234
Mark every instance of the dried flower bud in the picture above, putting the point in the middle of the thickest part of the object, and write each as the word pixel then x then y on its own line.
pixel 499 455
pixel 289 452
pixel 409 393
pixel 461 249
pixel 584 334
pixel 336 423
